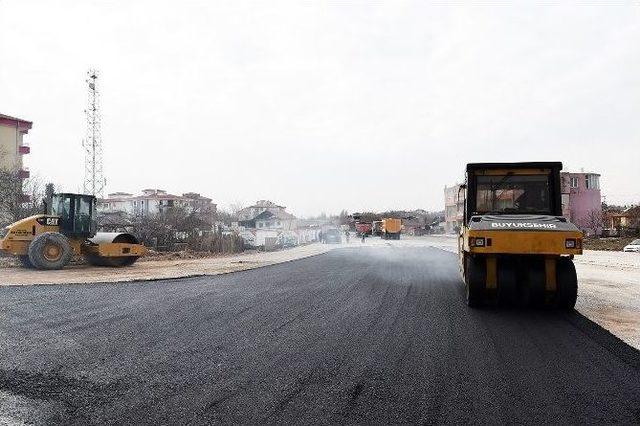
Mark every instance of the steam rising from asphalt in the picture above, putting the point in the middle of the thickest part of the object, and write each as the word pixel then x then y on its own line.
pixel 391 253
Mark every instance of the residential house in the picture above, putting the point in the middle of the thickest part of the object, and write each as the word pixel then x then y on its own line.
pixel 267 224
pixel 249 213
pixel 582 200
pixel 453 208
pixel 617 220
pixel 279 219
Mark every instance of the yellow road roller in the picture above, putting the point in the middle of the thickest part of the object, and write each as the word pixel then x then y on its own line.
pixel 515 247
pixel 68 227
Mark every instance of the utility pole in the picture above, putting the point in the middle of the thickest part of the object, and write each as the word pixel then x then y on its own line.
pixel 94 181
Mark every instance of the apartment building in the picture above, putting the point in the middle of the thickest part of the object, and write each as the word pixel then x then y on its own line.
pixel 12 145
pixel 154 201
pixel 582 200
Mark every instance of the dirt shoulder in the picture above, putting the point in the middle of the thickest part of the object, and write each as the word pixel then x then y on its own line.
pixel 607 244
pixel 158 269
pixel 609 292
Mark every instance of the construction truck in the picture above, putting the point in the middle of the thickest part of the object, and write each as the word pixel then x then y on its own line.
pixel 391 228
pixel 67 227
pixel 515 246
pixel 363 228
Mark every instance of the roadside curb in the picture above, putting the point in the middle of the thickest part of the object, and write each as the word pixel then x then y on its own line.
pixel 178 277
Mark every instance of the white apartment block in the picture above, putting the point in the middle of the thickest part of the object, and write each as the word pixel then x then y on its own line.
pixel 154 201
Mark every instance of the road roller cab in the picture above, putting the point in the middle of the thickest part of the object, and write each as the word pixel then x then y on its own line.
pixel 76 213
pixel 515 246
pixel 48 241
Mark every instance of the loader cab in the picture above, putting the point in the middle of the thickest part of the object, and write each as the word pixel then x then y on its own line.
pixel 512 189
pixel 77 214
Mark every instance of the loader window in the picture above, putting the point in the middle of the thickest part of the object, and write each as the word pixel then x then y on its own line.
pixel 517 194
pixel 61 206
pixel 82 217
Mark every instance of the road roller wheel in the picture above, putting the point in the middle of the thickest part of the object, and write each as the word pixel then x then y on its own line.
pixel 50 250
pixel 113 262
pixel 507 282
pixel 533 292
pixel 567 284
pixel 24 260
pixel 475 278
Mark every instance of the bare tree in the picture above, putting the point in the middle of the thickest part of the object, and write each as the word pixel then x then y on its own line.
pixel 236 208
pixel 19 197
pixel 343 217
pixel 593 221
pixel 161 229
pixel 176 228
pixel 226 216
pixel 49 190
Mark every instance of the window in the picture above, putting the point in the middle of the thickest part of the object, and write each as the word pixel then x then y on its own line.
pixel 592 181
pixel 513 194
pixel 82 218
pixel 62 208
pixel 573 182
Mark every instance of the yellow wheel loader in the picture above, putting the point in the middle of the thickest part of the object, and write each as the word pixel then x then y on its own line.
pixel 515 246
pixel 68 227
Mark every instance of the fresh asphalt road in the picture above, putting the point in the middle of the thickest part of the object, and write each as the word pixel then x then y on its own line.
pixel 360 335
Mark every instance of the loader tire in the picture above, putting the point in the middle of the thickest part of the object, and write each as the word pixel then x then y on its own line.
pixel 113 262
pixel 475 278
pixel 567 291
pixel 24 260
pixel 50 250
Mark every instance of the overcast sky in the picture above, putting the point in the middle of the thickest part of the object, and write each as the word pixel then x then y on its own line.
pixel 324 105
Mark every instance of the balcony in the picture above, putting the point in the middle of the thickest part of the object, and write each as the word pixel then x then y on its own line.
pixel 24 174
pixel 24 149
